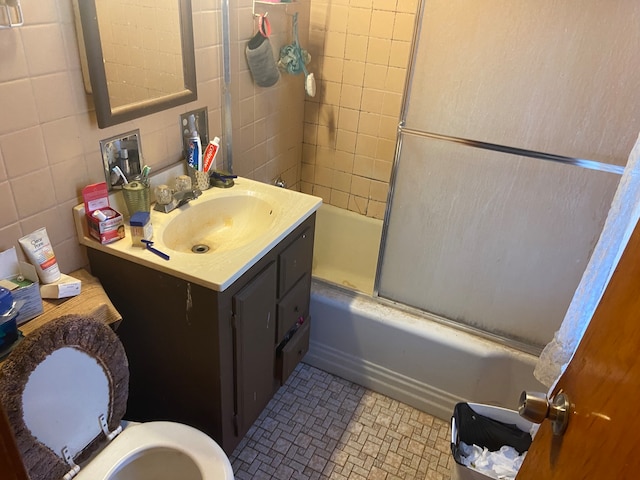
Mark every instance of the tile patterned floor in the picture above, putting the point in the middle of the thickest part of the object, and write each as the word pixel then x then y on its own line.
pixel 319 426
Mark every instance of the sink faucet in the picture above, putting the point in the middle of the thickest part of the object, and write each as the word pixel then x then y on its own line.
pixel 185 196
pixel 178 199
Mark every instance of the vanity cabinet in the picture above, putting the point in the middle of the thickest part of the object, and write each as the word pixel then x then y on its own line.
pixel 212 359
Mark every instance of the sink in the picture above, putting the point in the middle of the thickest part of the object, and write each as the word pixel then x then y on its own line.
pixel 219 224
pixel 212 240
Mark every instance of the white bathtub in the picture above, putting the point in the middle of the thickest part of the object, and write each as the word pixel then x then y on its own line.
pixel 346 248
pixel 408 356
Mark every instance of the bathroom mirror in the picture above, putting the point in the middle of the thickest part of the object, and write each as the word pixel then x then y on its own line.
pixel 125 152
pixel 139 56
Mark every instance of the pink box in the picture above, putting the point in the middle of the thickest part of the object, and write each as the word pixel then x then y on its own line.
pixel 105 224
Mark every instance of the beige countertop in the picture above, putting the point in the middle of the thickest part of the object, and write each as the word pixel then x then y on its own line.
pixel 217 269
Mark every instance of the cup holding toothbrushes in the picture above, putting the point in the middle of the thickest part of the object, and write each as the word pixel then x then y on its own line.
pixel 136 196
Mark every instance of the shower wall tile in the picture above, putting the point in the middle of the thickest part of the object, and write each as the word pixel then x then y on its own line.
pixel 363 166
pixel 332 68
pixel 334 44
pixel 325 157
pixel 361 49
pixel 373 101
pixel 378 51
pixel 382 170
pixel 356 47
pixel 338 18
pixel 405 6
pixel 349 119
pixel 339 199
pixel 346 141
pixel 403 26
pixel 353 73
pixel 382 23
pixel 359 21
pixel 392 104
pixel 345 161
pixel 399 55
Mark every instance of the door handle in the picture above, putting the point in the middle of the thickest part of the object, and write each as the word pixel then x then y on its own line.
pixel 535 407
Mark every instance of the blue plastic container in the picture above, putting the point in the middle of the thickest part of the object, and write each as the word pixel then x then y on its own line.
pixel 8 325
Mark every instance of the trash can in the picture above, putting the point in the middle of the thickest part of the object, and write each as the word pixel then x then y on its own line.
pixel 489 429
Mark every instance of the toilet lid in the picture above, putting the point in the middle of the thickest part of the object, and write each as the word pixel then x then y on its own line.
pixel 65 389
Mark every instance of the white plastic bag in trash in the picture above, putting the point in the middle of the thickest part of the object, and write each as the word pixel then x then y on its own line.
pixel 501 465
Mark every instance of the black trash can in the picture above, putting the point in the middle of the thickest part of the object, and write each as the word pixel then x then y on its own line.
pixel 488 427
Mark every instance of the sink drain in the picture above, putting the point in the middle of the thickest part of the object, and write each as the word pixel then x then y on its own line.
pixel 200 248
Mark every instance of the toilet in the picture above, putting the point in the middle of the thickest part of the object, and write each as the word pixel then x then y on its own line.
pixel 65 389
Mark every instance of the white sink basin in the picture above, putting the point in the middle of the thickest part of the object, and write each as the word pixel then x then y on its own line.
pixel 238 225
pixel 218 224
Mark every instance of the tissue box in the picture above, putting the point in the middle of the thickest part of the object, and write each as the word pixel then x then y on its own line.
pixel 27 290
pixel 105 224
pixel 65 287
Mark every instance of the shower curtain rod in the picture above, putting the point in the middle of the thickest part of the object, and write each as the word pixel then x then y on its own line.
pixel 576 162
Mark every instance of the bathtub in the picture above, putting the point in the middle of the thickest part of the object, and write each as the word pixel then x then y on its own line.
pixel 346 248
pixel 413 357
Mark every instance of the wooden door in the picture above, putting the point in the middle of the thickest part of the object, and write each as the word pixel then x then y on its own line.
pixel 603 384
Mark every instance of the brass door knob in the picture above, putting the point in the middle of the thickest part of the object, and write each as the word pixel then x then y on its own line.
pixel 535 407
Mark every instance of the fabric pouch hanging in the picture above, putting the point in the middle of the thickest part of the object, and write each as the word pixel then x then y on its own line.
pixel 262 64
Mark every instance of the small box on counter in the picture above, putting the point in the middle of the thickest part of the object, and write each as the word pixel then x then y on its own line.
pixel 105 224
pixel 65 287
pixel 22 280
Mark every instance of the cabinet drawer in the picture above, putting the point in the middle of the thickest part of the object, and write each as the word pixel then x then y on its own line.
pixel 293 351
pixel 295 260
pixel 294 305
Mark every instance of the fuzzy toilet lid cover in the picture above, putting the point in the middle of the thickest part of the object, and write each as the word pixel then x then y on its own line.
pixel 83 333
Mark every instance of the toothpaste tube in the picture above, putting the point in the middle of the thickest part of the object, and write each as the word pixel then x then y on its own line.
pixel 210 155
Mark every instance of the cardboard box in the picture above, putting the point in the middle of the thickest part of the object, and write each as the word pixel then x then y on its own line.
pixel 22 279
pixel 105 224
pixel 65 287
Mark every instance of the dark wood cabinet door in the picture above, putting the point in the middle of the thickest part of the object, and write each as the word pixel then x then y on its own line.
pixel 254 312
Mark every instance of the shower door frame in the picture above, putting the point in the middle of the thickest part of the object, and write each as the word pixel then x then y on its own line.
pixel 405 131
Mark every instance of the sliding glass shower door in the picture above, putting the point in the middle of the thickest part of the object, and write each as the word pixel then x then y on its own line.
pixel 517 122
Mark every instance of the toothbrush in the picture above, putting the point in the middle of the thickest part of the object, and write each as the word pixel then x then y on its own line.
pixel 118 172
pixel 145 173
pixel 149 244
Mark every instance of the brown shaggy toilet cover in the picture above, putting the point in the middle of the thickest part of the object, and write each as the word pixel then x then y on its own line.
pixel 83 333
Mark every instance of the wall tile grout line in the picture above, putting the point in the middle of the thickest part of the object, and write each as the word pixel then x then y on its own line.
pixel 322 427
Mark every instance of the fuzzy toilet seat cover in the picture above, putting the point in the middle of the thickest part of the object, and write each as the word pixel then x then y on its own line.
pixel 87 334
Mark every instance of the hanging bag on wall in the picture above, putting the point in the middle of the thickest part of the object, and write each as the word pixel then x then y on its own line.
pixel 262 64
